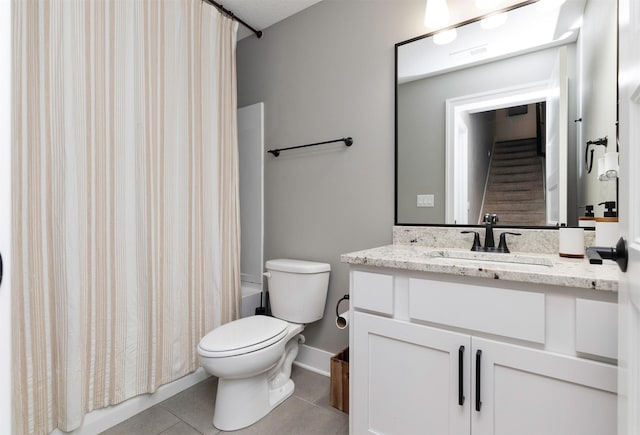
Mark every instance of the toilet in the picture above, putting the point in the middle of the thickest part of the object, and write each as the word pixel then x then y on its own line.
pixel 252 356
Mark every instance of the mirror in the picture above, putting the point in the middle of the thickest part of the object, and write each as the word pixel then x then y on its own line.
pixel 497 120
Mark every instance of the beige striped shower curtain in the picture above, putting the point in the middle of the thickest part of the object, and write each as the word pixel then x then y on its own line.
pixel 125 199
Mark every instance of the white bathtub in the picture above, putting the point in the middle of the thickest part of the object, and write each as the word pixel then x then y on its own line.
pixel 250 298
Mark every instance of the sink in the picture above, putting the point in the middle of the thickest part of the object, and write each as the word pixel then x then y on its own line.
pixel 492 257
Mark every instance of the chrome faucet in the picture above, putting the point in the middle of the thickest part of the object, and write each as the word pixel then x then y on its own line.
pixel 489 221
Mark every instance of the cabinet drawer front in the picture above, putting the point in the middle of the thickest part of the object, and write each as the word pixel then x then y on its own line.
pixel 510 313
pixel 597 328
pixel 373 292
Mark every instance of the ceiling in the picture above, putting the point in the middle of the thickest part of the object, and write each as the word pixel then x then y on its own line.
pixel 261 14
pixel 526 29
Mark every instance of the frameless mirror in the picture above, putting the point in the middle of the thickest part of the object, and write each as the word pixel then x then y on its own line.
pixel 493 116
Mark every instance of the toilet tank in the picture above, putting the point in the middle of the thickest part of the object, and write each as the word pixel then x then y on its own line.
pixel 297 289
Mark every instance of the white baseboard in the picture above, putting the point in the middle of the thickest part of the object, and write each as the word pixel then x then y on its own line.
pixel 102 419
pixel 314 359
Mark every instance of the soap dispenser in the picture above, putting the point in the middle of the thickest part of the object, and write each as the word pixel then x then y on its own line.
pixel 607 232
pixel 589 218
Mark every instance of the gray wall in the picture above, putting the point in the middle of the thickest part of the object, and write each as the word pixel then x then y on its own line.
pixel 598 56
pixel 326 73
pixel 421 123
pixel 516 127
pixel 482 132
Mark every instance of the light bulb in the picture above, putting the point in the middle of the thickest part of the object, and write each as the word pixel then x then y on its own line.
pixel 436 14
pixel 442 38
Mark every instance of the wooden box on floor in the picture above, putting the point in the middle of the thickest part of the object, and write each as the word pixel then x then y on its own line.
pixel 339 392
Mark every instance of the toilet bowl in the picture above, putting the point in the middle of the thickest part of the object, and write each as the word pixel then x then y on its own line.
pixel 252 356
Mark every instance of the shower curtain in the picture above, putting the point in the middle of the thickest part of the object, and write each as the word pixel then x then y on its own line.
pixel 125 199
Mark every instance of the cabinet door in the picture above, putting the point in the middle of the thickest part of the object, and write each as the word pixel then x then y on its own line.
pixel 527 391
pixel 406 378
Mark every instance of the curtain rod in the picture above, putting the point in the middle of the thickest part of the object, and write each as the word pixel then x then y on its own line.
pixel 233 16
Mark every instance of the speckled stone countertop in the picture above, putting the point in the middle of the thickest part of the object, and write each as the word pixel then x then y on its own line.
pixel 538 268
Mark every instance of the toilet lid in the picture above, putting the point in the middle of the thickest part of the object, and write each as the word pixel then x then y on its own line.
pixel 243 335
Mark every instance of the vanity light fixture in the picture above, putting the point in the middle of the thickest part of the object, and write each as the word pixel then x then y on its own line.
pixel 493 21
pixel 436 14
pixel 445 37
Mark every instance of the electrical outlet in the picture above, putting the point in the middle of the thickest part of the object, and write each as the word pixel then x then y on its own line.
pixel 425 200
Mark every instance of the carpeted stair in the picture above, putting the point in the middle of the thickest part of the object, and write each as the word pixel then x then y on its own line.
pixel 515 189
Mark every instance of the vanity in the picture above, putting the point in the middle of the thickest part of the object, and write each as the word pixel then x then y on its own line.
pixel 446 341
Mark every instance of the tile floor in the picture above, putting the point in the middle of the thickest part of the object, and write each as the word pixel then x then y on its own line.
pixel 191 412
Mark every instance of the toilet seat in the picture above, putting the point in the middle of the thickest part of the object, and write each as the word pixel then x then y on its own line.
pixel 242 336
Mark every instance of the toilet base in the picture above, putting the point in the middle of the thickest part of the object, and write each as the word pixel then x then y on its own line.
pixel 279 395
pixel 243 402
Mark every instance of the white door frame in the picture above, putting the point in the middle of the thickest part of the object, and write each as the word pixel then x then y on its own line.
pixel 629 289
pixel 5 216
pixel 456 188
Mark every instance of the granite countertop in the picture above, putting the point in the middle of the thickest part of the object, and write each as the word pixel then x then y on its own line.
pixel 532 268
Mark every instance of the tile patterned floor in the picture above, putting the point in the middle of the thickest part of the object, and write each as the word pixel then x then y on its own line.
pixel 191 412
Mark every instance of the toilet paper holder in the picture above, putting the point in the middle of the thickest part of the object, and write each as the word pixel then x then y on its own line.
pixel 342 319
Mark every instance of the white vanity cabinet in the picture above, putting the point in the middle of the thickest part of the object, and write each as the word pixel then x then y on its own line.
pixel 405 378
pixel 439 354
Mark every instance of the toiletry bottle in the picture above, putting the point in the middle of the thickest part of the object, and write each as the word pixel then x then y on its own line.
pixel 589 218
pixel 607 226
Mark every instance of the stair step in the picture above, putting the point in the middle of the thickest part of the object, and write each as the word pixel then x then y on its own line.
pixel 531 140
pixel 519 218
pixel 525 161
pixel 514 155
pixel 515 148
pixel 520 187
pixel 500 207
pixel 515 188
pixel 535 203
pixel 514 195
pixel 510 178
pixel 522 169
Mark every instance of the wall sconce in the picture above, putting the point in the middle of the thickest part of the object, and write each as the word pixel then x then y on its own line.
pixel 436 14
pixel 611 165
pixel 608 164
pixel 602 176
